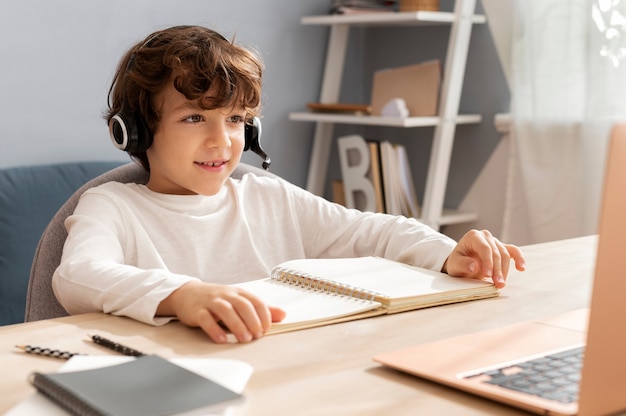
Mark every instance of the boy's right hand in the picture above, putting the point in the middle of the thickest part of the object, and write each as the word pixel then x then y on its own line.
pixel 213 307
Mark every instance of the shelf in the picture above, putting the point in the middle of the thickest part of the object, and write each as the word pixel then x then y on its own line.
pixel 449 217
pixel 388 19
pixel 380 121
pixel 461 21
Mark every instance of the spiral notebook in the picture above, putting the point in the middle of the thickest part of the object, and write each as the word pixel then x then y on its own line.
pixel 145 386
pixel 317 292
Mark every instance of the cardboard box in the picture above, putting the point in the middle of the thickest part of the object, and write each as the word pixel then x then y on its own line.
pixel 418 85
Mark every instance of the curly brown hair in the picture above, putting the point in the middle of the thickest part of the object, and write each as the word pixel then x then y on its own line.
pixel 196 60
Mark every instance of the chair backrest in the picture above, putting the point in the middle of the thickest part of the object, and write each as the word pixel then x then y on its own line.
pixel 30 195
pixel 40 300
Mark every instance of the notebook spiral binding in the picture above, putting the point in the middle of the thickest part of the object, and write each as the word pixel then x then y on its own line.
pixel 310 282
pixel 61 396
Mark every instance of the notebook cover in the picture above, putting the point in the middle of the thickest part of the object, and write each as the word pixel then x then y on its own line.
pixel 148 385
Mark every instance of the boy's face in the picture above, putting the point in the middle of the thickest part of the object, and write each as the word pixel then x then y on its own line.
pixel 194 151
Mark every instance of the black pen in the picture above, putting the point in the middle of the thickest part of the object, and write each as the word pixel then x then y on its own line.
pixel 112 345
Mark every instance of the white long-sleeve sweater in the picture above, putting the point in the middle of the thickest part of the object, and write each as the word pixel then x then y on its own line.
pixel 128 248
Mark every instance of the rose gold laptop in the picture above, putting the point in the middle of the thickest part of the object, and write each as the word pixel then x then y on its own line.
pixel 470 362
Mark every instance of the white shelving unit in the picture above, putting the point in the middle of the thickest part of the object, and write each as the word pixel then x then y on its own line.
pixel 461 21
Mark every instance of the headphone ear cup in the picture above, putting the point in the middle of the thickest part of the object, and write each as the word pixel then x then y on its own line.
pixel 129 133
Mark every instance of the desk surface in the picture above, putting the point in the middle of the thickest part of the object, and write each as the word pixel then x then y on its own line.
pixel 329 370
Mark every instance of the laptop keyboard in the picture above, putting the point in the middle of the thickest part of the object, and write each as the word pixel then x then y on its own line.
pixel 555 376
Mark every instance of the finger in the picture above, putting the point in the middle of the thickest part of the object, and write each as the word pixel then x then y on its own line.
pixel 211 327
pixel 517 256
pixel 259 322
pixel 277 314
pixel 240 317
pixel 505 259
pixel 465 266
pixel 483 249
pixel 496 259
pixel 262 319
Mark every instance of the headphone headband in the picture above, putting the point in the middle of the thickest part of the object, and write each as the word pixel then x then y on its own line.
pixel 129 131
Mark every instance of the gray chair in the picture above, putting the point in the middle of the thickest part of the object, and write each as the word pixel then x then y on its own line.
pixel 40 300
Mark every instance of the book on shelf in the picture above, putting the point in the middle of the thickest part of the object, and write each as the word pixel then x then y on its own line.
pixel 375 175
pixel 316 292
pixel 390 176
pixel 138 386
pixel 406 179
pixel 398 178
pixel 339 196
pixel 417 84
pixel 362 6
pixel 340 108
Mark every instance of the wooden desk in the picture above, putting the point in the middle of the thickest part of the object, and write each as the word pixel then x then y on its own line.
pixel 329 370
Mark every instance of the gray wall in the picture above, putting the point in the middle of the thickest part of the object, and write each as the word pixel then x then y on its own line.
pixel 57 59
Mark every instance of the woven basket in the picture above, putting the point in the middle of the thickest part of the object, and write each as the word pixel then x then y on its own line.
pixel 413 5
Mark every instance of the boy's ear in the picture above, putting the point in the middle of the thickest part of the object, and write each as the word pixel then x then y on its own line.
pixel 253 141
pixel 129 132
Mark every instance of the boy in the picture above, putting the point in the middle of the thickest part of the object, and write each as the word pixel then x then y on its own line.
pixel 169 249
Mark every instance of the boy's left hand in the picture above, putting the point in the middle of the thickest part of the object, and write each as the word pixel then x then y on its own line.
pixel 480 254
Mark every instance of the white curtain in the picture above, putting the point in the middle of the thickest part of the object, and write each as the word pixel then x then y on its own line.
pixel 568 89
